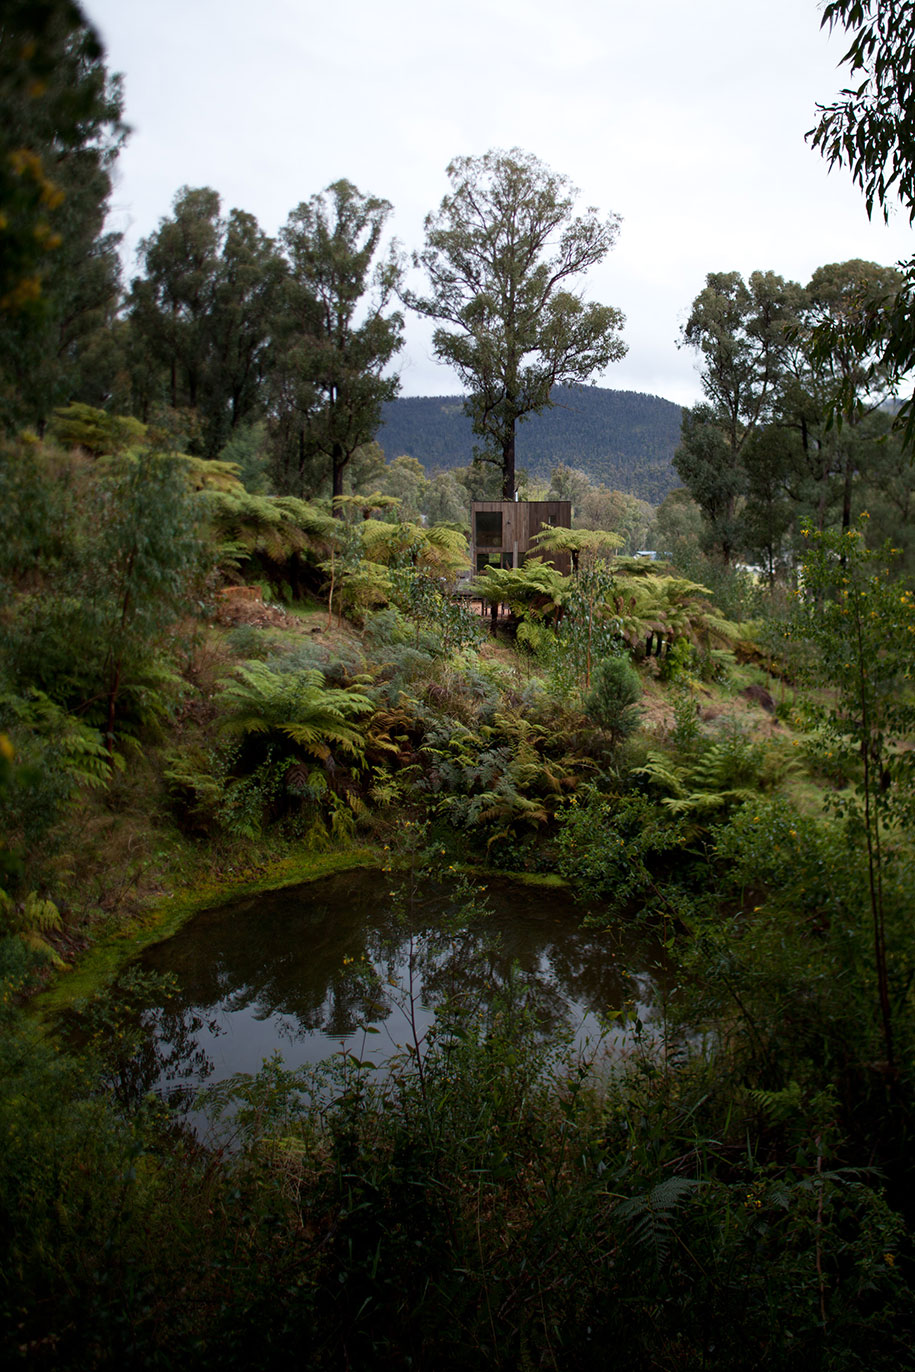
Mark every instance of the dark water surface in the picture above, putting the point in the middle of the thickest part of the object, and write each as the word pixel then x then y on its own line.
pixel 315 969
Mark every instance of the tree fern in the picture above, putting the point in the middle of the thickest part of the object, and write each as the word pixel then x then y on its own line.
pixel 657 602
pixel 536 588
pixel 576 543
pixel 299 708
pixel 357 586
pixel 97 432
pixel 275 526
pixel 437 549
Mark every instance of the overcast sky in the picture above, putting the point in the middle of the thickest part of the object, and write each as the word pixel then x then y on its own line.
pixel 687 119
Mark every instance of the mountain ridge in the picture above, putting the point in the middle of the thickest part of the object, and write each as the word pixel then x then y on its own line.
pixel 622 439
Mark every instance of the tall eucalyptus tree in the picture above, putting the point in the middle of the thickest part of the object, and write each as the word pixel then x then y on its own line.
pixel 203 312
pixel 740 329
pixel 337 335
pixel 503 256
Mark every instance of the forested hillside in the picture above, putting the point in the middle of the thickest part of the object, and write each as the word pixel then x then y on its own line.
pixel 622 439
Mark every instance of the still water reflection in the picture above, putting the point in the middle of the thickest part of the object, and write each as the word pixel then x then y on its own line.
pixel 359 962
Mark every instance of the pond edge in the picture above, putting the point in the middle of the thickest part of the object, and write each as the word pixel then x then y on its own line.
pixel 100 964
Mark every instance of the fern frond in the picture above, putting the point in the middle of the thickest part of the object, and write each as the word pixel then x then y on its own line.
pixel 650 1216
pixel 706 802
pixel 30 920
pixel 79 750
pixel 778 1106
pixel 661 772
pixel 726 631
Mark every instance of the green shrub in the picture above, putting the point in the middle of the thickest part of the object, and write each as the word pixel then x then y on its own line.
pixel 679 662
pixel 686 731
pixel 246 641
pixel 379 1221
pixel 618 848
pixel 50 756
pixel 612 700
pixel 100 639
pixel 792 860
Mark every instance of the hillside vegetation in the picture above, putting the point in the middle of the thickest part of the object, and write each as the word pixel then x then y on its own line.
pixel 275 687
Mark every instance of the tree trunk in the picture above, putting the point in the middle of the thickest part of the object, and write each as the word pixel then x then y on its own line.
pixel 338 459
pixel 848 477
pixel 508 465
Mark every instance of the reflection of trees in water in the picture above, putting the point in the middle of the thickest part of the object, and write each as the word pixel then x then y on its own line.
pixel 468 971
pixel 588 973
pixel 163 1054
pixel 471 968
pixel 591 968
pixel 354 997
pixel 332 987
pixel 327 965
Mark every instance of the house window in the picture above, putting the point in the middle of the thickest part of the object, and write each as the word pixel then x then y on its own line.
pixel 489 529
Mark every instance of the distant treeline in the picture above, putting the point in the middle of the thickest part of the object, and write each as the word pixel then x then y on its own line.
pixel 621 439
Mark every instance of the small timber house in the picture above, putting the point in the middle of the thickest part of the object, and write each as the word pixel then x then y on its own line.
pixel 501 531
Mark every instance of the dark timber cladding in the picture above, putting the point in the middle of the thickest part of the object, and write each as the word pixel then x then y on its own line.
pixel 501 530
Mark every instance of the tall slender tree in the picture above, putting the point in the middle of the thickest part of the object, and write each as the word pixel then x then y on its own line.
pixel 740 330
pixel 762 450
pixel 338 335
pixel 504 255
pixel 246 297
pixel 848 377
pixel 171 302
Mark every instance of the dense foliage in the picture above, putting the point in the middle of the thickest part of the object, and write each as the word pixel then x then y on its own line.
pixel 790 431
pixel 60 132
pixel 868 130
pixel 234 637
pixel 737 1182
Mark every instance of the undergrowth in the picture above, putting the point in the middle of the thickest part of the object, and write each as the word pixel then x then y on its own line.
pixel 492 1202
pixel 732 1194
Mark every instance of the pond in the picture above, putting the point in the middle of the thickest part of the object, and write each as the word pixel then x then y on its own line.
pixel 359 962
